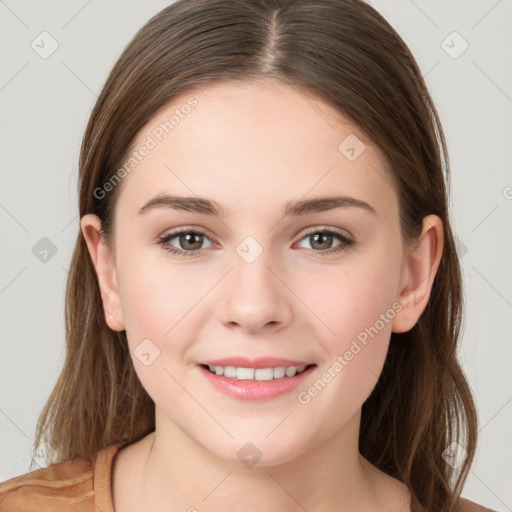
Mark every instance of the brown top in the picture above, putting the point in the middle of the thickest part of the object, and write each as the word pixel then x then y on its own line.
pixel 77 485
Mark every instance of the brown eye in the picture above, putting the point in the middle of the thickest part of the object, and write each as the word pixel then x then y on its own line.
pixel 321 241
pixel 189 242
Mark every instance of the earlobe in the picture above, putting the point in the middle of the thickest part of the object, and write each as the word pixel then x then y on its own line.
pixel 421 262
pixel 104 265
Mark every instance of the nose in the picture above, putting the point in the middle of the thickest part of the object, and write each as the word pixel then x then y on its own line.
pixel 255 297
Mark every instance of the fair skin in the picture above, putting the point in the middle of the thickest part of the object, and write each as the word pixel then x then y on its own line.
pixel 252 149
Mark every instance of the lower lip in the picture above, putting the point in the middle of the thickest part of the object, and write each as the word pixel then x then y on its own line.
pixel 258 390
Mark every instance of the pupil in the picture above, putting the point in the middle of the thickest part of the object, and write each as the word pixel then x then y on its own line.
pixel 322 236
pixel 190 236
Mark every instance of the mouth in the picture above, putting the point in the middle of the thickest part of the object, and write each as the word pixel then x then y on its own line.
pixel 257 381
pixel 257 374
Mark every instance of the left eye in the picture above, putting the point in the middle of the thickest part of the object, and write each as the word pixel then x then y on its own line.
pixel 191 241
pixel 324 237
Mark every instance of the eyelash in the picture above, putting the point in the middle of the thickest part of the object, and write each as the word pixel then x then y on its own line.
pixel 346 244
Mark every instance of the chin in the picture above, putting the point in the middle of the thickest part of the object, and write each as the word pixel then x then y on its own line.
pixel 258 451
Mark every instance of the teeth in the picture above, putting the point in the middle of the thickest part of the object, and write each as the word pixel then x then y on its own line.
pixel 264 374
pixel 279 372
pixel 230 371
pixel 256 373
pixel 291 371
pixel 245 373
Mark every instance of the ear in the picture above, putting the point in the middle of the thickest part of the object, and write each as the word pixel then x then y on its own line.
pixel 419 268
pixel 104 264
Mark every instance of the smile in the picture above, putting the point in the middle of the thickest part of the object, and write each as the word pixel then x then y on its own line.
pixel 241 373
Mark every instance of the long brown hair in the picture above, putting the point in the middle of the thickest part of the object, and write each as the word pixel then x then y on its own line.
pixel 347 54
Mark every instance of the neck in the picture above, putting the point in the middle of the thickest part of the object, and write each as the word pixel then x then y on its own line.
pixel 331 475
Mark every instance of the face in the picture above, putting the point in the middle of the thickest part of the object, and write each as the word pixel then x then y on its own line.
pixel 255 281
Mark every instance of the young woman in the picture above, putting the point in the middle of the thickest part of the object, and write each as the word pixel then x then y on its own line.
pixel 264 301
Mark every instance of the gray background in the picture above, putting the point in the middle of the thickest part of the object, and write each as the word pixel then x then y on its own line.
pixel 45 104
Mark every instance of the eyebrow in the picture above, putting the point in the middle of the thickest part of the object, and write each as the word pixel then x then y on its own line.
pixel 292 208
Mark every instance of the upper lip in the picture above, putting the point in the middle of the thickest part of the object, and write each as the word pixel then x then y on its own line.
pixel 260 362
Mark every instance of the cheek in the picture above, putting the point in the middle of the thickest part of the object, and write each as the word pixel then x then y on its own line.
pixel 155 305
pixel 146 301
pixel 355 306
pixel 348 300
pixel 155 294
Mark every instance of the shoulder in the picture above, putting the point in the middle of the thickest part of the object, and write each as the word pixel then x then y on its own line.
pixel 465 505
pixel 61 483
pixel 68 485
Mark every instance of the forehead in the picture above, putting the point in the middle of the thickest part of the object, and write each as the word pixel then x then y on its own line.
pixel 251 143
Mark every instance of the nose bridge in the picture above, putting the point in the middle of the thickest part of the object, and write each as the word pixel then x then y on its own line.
pixel 252 265
pixel 256 297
